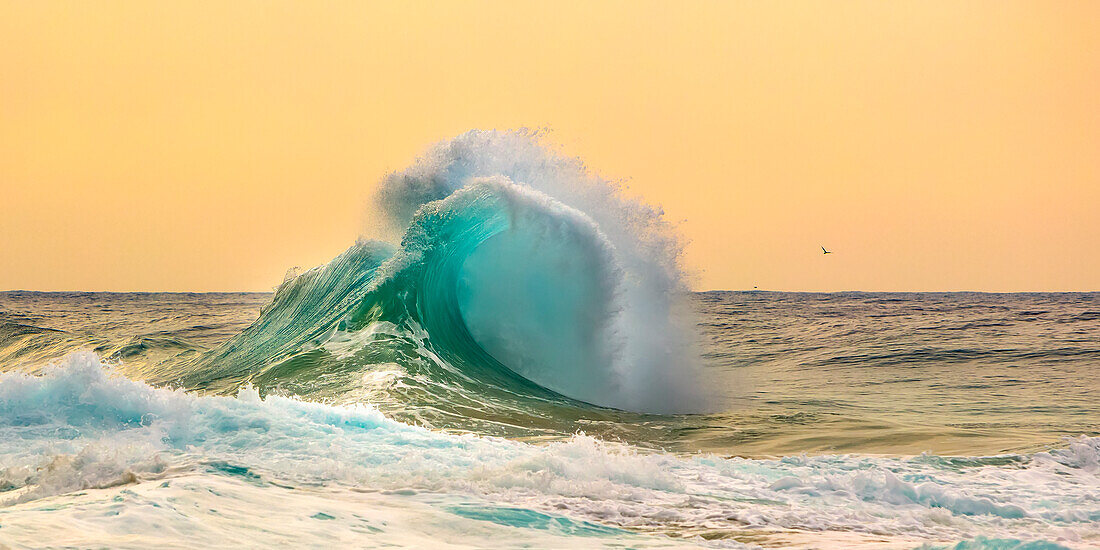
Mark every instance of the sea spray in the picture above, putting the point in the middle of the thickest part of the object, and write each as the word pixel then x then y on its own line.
pixel 575 252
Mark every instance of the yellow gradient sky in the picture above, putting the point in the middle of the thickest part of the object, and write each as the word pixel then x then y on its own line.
pixel 212 145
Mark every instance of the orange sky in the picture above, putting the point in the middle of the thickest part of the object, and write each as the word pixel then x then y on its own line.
pixel 204 146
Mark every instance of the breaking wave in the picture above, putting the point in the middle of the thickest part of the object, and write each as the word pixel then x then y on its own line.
pixel 517 274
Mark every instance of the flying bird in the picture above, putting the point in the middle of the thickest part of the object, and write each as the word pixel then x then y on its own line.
pixel 823 251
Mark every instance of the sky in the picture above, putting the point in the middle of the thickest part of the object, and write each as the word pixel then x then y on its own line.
pixel 210 146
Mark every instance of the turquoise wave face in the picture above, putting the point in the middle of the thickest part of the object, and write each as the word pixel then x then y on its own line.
pixel 497 300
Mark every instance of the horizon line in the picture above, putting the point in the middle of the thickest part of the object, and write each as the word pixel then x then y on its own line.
pixel 758 290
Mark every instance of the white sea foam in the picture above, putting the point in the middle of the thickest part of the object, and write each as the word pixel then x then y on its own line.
pixel 76 435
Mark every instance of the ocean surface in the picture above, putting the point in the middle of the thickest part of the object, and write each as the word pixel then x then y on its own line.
pixel 514 362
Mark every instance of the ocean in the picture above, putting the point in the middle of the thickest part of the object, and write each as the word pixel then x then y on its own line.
pixel 514 361
pixel 885 420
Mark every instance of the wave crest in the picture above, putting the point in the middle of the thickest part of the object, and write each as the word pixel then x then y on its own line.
pixel 578 291
pixel 516 268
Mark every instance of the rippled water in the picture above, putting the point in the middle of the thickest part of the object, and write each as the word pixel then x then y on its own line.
pixel 951 373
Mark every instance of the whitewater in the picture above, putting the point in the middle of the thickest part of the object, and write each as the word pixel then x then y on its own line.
pixel 512 358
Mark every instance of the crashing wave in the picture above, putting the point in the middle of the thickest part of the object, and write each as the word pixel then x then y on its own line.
pixel 515 268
